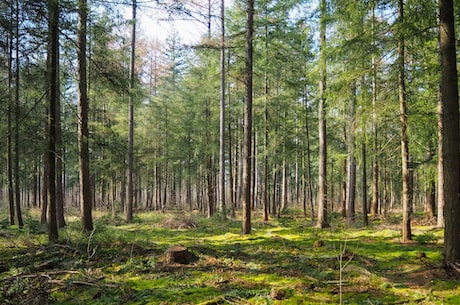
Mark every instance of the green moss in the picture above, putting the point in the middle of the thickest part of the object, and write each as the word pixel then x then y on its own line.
pixel 124 263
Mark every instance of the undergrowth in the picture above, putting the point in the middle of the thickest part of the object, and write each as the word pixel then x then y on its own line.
pixel 284 261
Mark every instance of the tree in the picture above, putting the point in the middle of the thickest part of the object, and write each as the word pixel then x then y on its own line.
pixel 351 160
pixel 53 50
pixel 129 207
pixel 322 221
pixel 406 185
pixel 222 114
pixel 449 130
pixel 17 189
pixel 375 162
pixel 83 132
pixel 9 143
pixel 246 199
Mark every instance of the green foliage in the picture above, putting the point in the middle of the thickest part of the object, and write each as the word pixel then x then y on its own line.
pixel 426 238
pixel 33 225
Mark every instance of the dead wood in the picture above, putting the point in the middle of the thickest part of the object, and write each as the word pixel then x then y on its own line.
pixel 179 255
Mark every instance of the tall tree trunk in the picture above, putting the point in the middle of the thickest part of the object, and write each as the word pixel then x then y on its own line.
pixel 247 138
pixel 309 175
pixel 10 131
pixel 364 183
pixel 343 190
pixel 53 49
pixel 450 150
pixel 59 164
pixel 266 191
pixel 440 189
pixel 406 185
pixel 35 185
pixel 222 206
pixel 129 206
pixel 322 221
pixel 284 190
pixel 351 171
pixel 255 173
pixel 44 190
pixel 83 133
pixel 375 162
pixel 17 188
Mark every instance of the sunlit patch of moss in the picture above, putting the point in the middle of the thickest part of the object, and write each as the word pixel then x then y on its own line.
pixel 233 268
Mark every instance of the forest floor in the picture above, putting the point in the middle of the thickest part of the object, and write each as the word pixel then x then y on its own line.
pixel 284 261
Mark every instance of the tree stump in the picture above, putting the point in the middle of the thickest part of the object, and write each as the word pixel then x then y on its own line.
pixel 179 255
pixel 278 293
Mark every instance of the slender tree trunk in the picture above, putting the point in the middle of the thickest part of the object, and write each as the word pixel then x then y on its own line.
pixel 255 173
pixel 53 49
pixel 406 185
pixel 440 190
pixel 364 183
pixel 351 172
pixel 10 131
pixel 83 133
pixel 284 190
pixel 113 186
pixel 59 162
pixel 17 187
pixel 35 185
pixel 450 150
pixel 266 173
pixel 274 201
pixel 210 183
pixel 129 207
pixel 375 163
pixel 231 162
pixel 266 191
pixel 44 194
pixel 247 138
pixel 222 206
pixel 430 194
pixel 343 190
pixel 322 221
pixel 309 175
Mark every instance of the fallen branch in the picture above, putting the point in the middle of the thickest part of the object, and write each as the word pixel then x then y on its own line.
pixel 455 267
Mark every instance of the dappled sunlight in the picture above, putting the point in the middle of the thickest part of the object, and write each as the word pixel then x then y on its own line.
pixel 286 262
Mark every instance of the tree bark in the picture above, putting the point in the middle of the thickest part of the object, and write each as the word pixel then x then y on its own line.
pixel 308 156
pixel 364 183
pixel 59 164
pixel 430 197
pixel 406 175
pixel 53 49
pixel 322 221
pixel 247 137
pixel 17 188
pixel 129 206
pixel 375 164
pixel 222 206
pixel 83 133
pixel 450 150
pixel 10 131
pixel 351 172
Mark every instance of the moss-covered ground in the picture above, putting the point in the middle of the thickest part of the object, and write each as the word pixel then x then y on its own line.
pixel 284 261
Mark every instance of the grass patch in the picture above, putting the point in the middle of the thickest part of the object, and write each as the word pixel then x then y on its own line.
pixel 284 261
